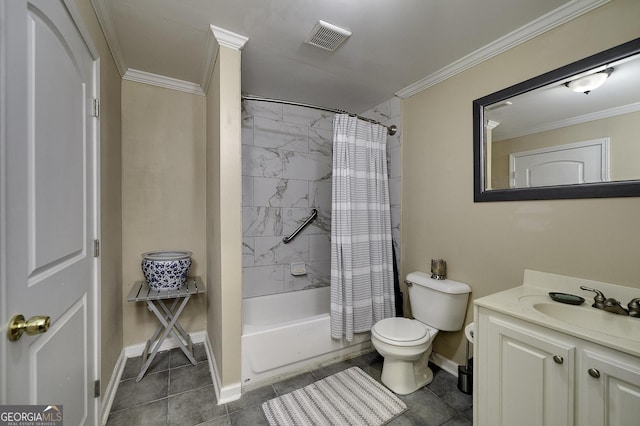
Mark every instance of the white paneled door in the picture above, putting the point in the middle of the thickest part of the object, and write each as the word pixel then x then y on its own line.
pixel 568 164
pixel 49 207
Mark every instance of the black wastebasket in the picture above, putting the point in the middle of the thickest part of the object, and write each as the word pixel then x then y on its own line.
pixel 465 377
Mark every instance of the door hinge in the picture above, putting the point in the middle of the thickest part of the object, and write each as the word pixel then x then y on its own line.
pixel 96 248
pixel 95 108
pixel 96 388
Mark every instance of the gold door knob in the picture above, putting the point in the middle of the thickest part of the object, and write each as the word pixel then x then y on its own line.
pixel 34 325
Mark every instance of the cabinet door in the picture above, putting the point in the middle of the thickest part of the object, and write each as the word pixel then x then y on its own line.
pixel 611 389
pixel 529 375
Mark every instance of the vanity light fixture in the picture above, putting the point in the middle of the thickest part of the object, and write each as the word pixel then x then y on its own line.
pixel 589 82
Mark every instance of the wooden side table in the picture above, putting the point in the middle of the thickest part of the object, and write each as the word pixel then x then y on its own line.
pixel 168 317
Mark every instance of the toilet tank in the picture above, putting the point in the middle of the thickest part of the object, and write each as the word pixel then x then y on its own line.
pixel 441 304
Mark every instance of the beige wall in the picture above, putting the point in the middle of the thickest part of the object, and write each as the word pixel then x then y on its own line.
pixel 224 215
pixel 488 245
pixel 163 187
pixel 110 199
pixel 624 146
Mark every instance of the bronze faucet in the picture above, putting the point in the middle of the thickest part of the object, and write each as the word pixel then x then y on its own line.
pixel 611 304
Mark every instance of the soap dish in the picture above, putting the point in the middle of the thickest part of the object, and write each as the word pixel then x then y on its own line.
pixel 570 299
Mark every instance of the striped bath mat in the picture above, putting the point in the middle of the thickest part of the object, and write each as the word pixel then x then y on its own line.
pixel 350 397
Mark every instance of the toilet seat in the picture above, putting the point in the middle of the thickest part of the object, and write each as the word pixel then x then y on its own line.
pixel 401 332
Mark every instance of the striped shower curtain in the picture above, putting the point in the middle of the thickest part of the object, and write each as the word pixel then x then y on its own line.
pixel 361 246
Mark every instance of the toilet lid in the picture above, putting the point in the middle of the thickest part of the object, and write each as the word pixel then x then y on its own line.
pixel 401 331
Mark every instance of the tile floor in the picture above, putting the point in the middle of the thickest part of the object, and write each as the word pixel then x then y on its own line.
pixel 174 392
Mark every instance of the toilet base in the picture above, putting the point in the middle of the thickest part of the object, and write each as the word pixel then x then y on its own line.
pixel 404 377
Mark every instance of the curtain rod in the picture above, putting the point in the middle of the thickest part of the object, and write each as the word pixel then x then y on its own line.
pixel 390 129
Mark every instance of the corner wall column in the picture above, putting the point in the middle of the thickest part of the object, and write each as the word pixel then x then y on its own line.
pixel 224 215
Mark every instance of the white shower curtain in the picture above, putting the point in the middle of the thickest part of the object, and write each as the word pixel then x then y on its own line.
pixel 362 290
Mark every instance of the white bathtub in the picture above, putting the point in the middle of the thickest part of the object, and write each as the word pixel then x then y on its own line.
pixel 285 334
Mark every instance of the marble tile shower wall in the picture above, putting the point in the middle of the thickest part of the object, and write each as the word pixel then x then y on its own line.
pixel 286 167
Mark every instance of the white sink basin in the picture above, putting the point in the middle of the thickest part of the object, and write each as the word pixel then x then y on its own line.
pixel 589 318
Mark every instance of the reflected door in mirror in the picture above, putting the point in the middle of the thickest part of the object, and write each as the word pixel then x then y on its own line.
pixel 569 164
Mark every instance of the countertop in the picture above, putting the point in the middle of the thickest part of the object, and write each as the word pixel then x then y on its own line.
pixel 611 330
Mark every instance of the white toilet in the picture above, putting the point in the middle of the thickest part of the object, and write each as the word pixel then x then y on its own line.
pixel 406 343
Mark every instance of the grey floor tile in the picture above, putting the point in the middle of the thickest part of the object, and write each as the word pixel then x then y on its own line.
pixel 178 358
pixel 369 359
pixel 374 370
pixel 194 407
pixel 328 370
pixel 370 363
pixel 152 387
pixel 426 408
pixel 468 413
pixel 375 373
pixel 252 398
pixel 458 400
pixel 459 420
pixel 220 421
pixel 190 377
pixel 183 394
pixel 293 383
pixel 401 420
pixel 445 386
pixel 253 416
pixel 133 365
pixel 151 414
pixel 442 382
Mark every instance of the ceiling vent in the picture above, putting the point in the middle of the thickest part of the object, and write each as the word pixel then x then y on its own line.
pixel 327 36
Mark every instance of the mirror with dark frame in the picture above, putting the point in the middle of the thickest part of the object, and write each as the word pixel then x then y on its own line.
pixel 573 132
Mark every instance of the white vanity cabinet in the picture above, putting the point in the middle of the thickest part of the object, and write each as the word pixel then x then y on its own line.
pixel 527 374
pixel 609 387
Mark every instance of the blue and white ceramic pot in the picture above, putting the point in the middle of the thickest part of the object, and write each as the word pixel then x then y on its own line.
pixel 166 270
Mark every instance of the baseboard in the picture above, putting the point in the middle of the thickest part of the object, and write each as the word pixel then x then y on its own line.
pixel 133 351
pixel 223 394
pixel 444 363
pixel 112 386
pixel 168 343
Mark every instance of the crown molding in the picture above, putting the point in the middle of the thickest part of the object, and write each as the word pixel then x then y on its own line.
pixel 210 53
pixel 228 39
pixel 103 13
pixel 585 118
pixel 492 124
pixel 543 24
pixel 218 37
pixel 162 81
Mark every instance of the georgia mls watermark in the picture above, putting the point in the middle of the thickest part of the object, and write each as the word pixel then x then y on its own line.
pixel 30 415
